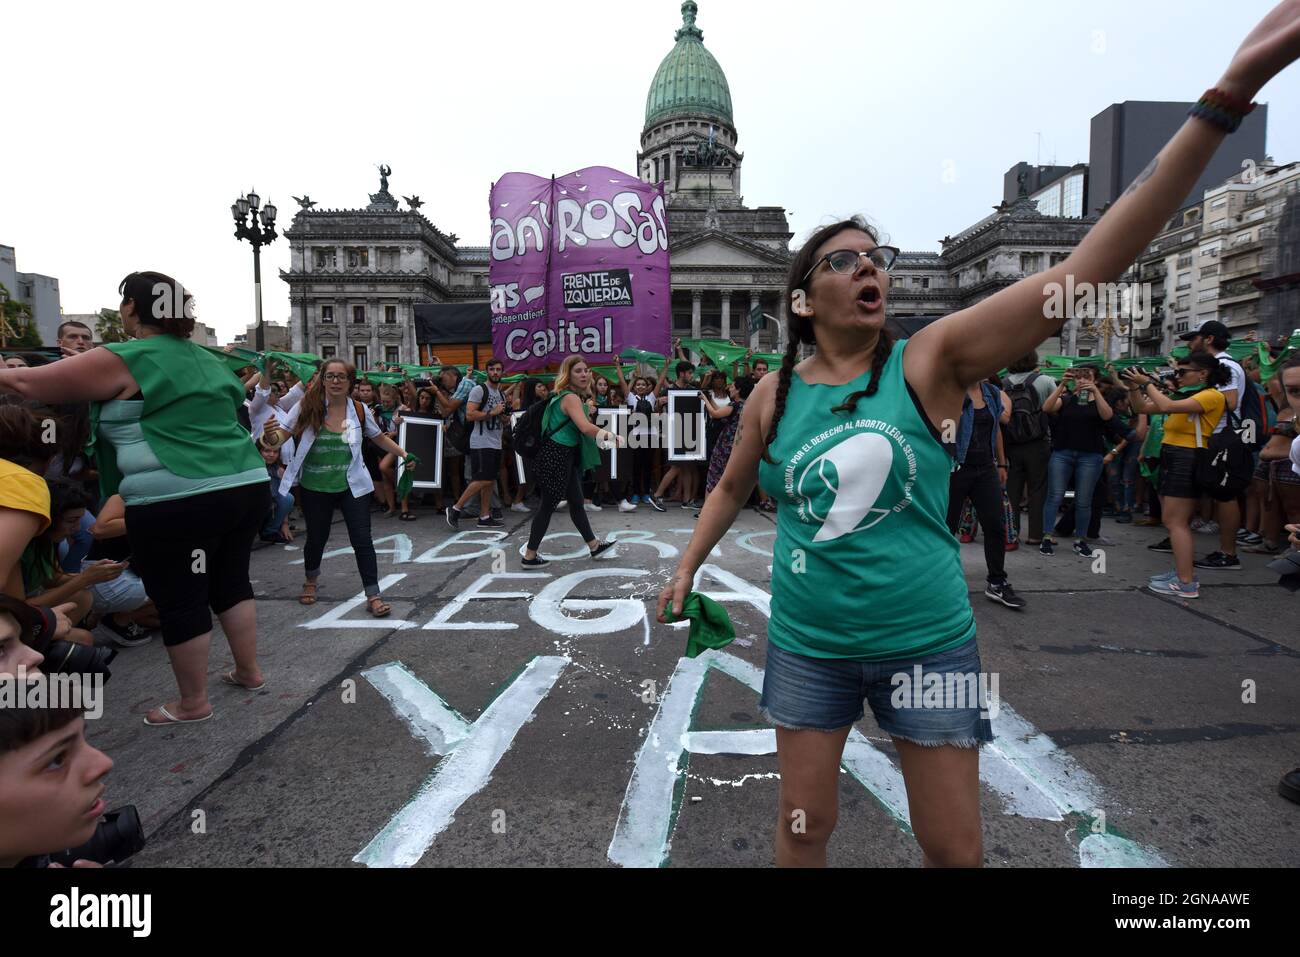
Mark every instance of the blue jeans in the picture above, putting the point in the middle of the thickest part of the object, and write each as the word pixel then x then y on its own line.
pixel 76 546
pixel 1085 468
pixel 1122 475
pixel 281 505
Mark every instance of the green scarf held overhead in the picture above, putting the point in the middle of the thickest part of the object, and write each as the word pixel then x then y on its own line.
pixel 407 481
pixel 382 378
pixel 301 364
pixel 639 355
pixel 415 372
pixel 236 359
pixel 710 625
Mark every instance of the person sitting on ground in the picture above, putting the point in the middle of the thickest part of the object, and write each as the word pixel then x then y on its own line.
pixel 19 625
pixel 271 445
pixel 123 606
pixel 45 583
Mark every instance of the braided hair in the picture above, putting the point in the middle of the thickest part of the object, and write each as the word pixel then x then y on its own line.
pixel 799 329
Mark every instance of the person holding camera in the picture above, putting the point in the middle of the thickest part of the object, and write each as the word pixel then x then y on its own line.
pixel 1190 418
pixel 1078 448
pixel 51 784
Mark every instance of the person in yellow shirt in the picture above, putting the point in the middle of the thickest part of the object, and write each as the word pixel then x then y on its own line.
pixel 24 496
pixel 1190 418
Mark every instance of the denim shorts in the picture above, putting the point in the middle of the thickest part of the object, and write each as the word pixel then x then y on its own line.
pixel 826 694
pixel 124 593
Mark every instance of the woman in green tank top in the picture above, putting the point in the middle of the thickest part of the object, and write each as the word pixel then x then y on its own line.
pixel 868 593
pixel 165 437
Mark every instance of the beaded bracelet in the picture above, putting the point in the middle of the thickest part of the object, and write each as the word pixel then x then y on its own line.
pixel 1222 109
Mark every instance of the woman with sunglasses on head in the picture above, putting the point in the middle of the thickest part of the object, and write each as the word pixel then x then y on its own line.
pixel 866 578
pixel 570 442
pixel 1190 418
pixel 329 428
pixel 165 436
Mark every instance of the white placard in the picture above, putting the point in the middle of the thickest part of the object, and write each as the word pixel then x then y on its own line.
pixel 519 460
pixel 697 453
pixel 607 418
pixel 420 438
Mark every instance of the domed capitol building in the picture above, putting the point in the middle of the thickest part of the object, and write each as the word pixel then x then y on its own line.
pixel 376 284
pixel 384 284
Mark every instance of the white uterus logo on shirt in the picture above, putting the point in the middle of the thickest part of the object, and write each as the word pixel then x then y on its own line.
pixel 846 480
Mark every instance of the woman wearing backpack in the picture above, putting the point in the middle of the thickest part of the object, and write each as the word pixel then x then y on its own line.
pixel 329 429
pixel 979 476
pixel 569 444
pixel 1028 442
pixel 1190 420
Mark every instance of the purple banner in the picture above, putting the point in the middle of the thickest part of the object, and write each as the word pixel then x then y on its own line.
pixel 579 265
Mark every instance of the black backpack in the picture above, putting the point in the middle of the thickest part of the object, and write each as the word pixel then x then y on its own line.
pixel 526 436
pixel 1028 421
pixel 1226 465
pixel 1253 408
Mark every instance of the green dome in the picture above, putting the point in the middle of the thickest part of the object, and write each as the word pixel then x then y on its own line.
pixel 689 82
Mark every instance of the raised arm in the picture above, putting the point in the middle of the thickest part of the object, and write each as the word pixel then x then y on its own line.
pixel 94 376
pixel 975 342
pixel 1053 403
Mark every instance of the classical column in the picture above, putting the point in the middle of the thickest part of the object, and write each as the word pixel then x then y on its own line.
pixel 373 318
pixel 726 314
pixel 754 302
pixel 374 263
pixel 341 319
pixel 697 298
pixel 782 333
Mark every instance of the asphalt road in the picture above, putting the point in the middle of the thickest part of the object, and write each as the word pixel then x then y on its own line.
pixel 555 724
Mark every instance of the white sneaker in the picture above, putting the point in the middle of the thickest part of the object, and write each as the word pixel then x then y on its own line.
pixel 592 507
pixel 626 506
pixel 562 503
pixel 520 507
pixel 1207 528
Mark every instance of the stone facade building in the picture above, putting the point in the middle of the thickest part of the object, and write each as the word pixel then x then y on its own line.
pixel 376 284
pixel 356 276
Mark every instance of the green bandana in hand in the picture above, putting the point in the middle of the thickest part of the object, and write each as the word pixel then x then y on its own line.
pixel 710 626
pixel 407 481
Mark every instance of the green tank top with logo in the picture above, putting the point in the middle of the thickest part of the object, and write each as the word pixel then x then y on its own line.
pixel 326 467
pixel 863 567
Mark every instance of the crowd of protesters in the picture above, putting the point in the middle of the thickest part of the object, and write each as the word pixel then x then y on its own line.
pixel 138 477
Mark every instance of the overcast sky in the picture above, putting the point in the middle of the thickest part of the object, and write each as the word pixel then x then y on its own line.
pixel 131 127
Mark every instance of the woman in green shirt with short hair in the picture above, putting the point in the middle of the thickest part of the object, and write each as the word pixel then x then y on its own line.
pixel 165 437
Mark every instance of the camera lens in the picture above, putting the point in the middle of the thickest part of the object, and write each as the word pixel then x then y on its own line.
pixel 69 658
pixel 118 836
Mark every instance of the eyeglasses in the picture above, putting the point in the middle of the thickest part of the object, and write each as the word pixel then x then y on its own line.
pixel 336 377
pixel 846 260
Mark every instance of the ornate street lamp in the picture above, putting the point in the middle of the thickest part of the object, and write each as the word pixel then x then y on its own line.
pixel 246 227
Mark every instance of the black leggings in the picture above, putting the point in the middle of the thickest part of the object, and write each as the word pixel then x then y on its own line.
pixel 318 510
pixel 192 555
pixel 982 486
pixel 643 461
pixel 542 520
